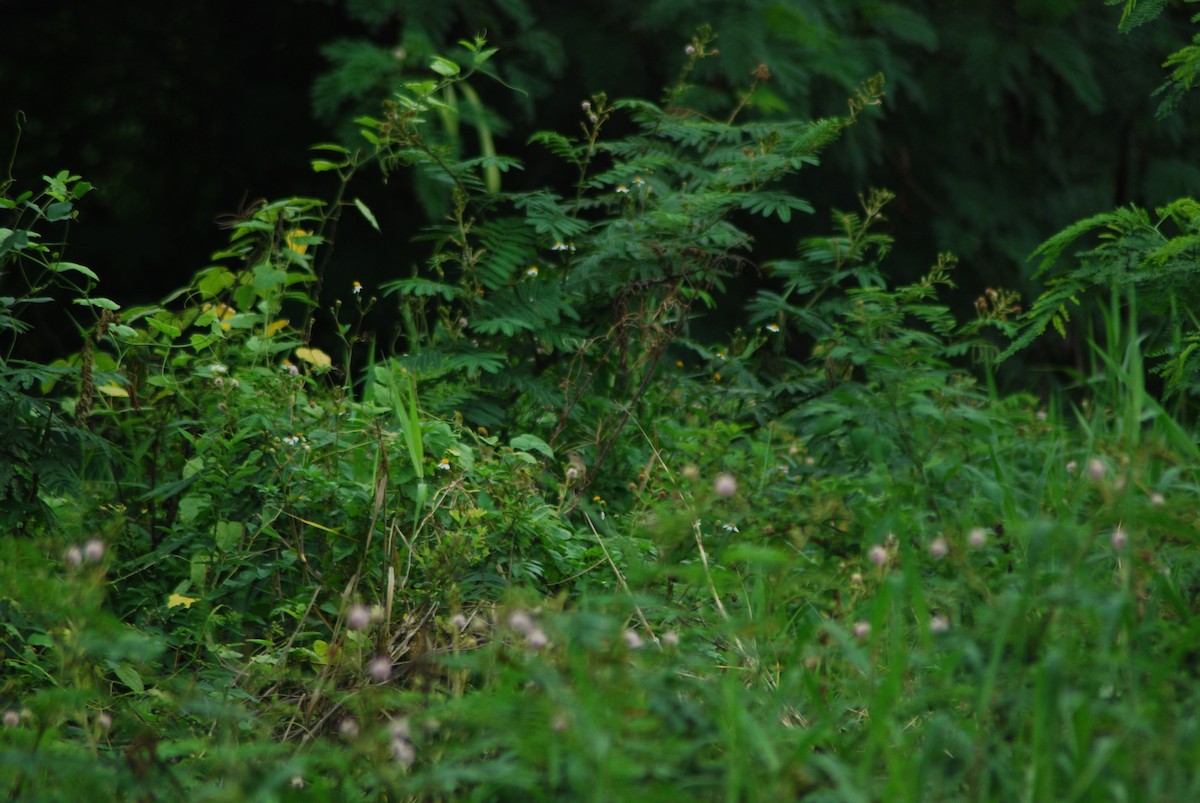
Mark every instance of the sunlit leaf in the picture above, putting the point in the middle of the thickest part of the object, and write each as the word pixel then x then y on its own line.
pixel 175 600
pixel 314 357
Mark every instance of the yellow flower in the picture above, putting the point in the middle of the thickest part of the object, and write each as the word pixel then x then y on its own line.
pixel 294 235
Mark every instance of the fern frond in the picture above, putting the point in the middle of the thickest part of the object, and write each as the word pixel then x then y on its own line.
pixel 421 288
pixel 509 248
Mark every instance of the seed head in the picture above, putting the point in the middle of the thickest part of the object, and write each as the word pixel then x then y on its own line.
pixel 938 548
pixel 977 537
pixel 358 617
pixel 93 550
pixel 520 622
pixel 1119 538
pixel 725 485
pixel 379 669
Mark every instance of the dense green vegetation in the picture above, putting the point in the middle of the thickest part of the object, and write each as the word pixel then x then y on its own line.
pixel 626 506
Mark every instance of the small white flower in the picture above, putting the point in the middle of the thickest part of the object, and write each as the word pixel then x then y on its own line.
pixel 93 550
pixel 938 624
pixel 938 548
pixel 74 556
pixel 356 288
pixel 977 537
pixel 1096 468
pixel 622 189
pixel 1072 466
pixel 459 621
pixel 379 669
pixel 536 639
pixel 358 617
pixel 403 752
pixel 559 246
pixel 12 718
pixel 531 271
pixel 632 640
pixel 730 527
pixel 218 368
pixel 1156 499
pixel 878 555
pixel 1119 538
pixel 520 622
pixel 725 485
pixel 671 638
pixel 861 630
pixel 772 328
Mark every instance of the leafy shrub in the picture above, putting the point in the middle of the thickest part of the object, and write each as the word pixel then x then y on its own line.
pixel 556 543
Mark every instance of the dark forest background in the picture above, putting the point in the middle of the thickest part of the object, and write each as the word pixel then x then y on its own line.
pixel 1004 121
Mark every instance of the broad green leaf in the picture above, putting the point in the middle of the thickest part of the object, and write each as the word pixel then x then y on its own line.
pixel 444 67
pixel 167 329
pixel 130 676
pixel 531 443
pixel 59 211
pixel 60 267
pixel 215 282
pixel 198 569
pixel 228 535
pixel 102 303
pixel 367 213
